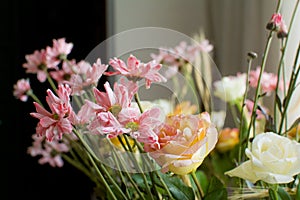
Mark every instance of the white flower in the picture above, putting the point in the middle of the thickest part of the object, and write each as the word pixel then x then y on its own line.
pixel 230 88
pixel 273 159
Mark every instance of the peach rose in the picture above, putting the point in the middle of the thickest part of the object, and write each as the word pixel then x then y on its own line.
pixel 185 140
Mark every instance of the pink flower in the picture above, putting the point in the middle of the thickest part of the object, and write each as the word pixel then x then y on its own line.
pixel 95 72
pixel 282 32
pixel 131 86
pixel 61 104
pixel 176 58
pixel 268 80
pixel 141 125
pixel 249 105
pixel 21 88
pixel 107 124
pixel 85 114
pixel 49 151
pixel 64 75
pixel 38 63
pixel 60 49
pixel 113 101
pixel 135 70
pixel 56 122
pixel 277 23
pixel 86 76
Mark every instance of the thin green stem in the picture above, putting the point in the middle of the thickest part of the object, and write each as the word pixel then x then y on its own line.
pixel 78 102
pixel 118 159
pixel 94 157
pixel 34 97
pixel 119 170
pixel 284 87
pixel 293 79
pixel 241 127
pixel 157 174
pixel 51 82
pixel 138 101
pixel 234 114
pixel 258 89
pixel 112 181
pixel 102 178
pixel 139 169
pixel 283 54
pixel 278 6
pixel 200 190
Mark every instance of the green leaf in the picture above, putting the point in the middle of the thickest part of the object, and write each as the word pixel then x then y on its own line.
pixel 178 189
pixel 221 163
pixel 201 176
pixel 216 190
pixel 140 181
pixel 283 194
pixel 220 194
pixel 278 103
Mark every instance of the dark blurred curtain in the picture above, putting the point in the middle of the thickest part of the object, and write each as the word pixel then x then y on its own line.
pixel 27 26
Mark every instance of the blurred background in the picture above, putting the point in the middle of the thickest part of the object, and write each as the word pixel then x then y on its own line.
pixel 233 27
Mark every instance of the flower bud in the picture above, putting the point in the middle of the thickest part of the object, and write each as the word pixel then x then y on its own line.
pixel 274 22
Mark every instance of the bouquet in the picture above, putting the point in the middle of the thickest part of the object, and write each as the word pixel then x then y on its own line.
pixel 155 129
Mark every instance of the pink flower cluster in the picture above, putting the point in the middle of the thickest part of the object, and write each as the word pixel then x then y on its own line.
pixel 175 58
pixel 41 61
pixel 21 88
pixel 49 151
pixel 107 113
pixel 268 81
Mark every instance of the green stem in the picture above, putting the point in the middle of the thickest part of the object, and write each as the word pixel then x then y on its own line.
pixel 34 97
pixel 93 157
pixel 241 127
pixel 78 102
pixel 156 173
pixel 258 89
pixel 138 168
pixel 51 81
pixel 118 159
pixel 138 101
pixel 234 114
pixel 283 54
pixel 273 192
pixel 102 178
pixel 119 169
pixel 200 190
pixel 113 181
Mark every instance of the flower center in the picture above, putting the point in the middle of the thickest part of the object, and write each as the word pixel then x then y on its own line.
pixel 67 77
pixel 42 67
pixel 134 126
pixel 55 116
pixel 115 109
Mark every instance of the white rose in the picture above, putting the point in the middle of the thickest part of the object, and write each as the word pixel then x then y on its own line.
pixel 273 159
pixel 230 88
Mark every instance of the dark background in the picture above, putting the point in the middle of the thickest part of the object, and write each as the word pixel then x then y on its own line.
pixel 27 26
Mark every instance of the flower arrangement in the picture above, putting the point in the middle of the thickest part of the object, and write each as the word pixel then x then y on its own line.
pixel 174 148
